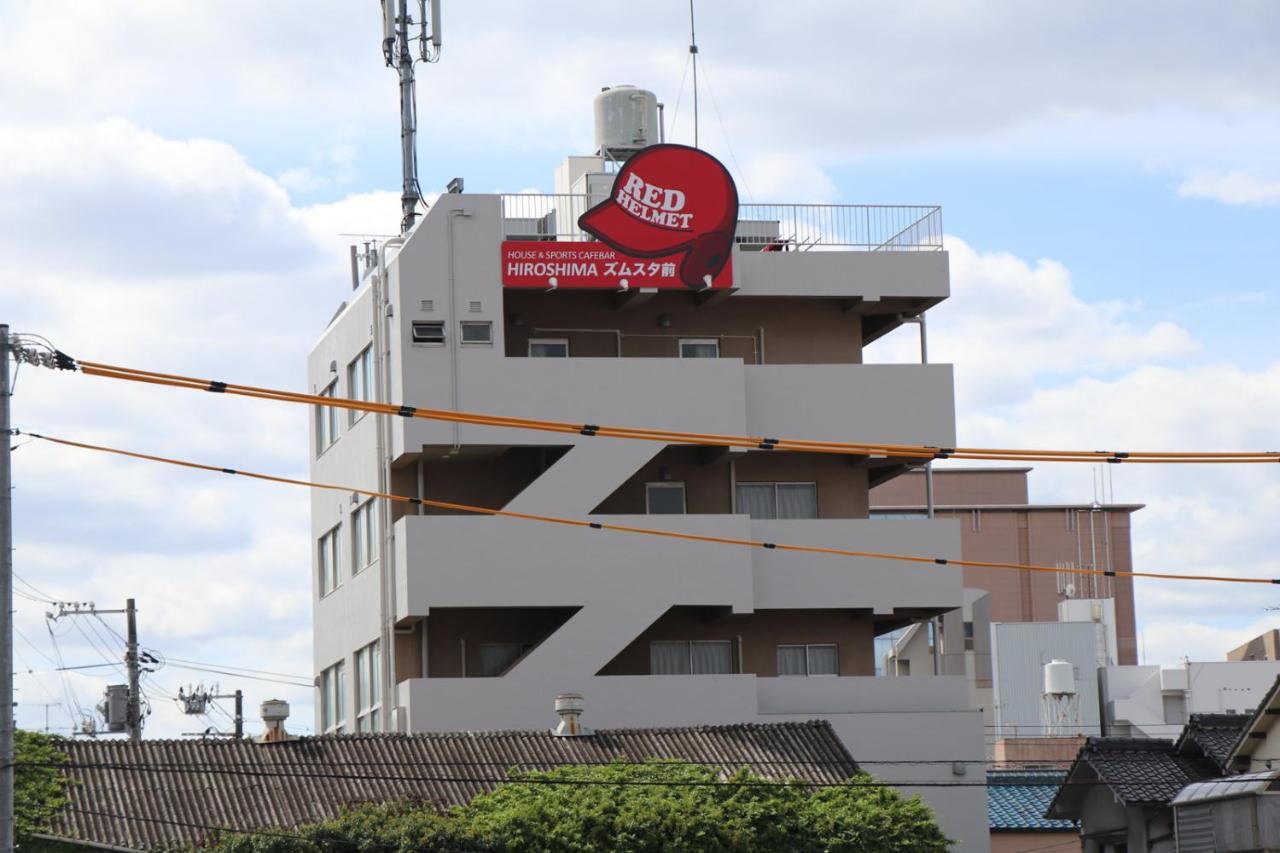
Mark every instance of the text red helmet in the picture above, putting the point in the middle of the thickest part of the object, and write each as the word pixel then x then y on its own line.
pixel 668 199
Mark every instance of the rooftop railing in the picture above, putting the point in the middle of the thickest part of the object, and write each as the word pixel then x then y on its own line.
pixel 765 227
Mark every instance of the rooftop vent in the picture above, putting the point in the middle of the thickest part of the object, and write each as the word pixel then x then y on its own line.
pixel 274 713
pixel 569 706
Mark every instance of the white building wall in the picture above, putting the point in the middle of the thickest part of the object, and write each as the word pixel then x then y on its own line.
pixel 621 582
pixel 1134 697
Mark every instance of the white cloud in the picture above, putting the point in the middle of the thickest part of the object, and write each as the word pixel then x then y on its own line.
pixel 1038 366
pixel 1236 187
pixel 1010 325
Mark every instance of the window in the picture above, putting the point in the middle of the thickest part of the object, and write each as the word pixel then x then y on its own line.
pixel 326 421
pixel 548 348
pixel 699 348
pixel 360 382
pixel 699 657
pixel 497 658
pixel 897 515
pixel 812 659
pixel 331 696
pixel 369 688
pixel 477 332
pixel 778 500
pixel 968 636
pixel 428 332
pixel 664 498
pixel 364 535
pixel 327 561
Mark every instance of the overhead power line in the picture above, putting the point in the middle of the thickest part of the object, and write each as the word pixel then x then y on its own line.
pixel 911 451
pixel 648 531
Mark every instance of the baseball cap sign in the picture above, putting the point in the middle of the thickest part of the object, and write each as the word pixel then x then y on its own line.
pixel 670 200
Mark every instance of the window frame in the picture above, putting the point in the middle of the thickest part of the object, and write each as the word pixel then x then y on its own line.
pixel 817 508
pixel 688 648
pixel 680 342
pixel 364 531
pixel 808 659
pixel 423 324
pixel 521 650
pixel 671 485
pixel 487 325
pixel 533 341
pixel 361 366
pixel 368 687
pixel 326 420
pixel 332 697
pixel 329 548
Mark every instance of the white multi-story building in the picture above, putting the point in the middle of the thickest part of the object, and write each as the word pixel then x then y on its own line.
pixel 430 619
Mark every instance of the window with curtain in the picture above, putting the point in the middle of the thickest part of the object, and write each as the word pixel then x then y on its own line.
pixel 809 659
pixel 368 688
pixel 328 550
pixel 496 658
pixel 778 500
pixel 664 498
pixel 791 661
pixel 331 696
pixel 360 382
pixel 697 657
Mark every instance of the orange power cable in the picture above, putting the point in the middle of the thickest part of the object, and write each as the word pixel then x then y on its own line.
pixel 646 531
pixel 922 452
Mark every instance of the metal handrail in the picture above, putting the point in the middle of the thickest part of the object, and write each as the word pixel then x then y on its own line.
pixel 768 227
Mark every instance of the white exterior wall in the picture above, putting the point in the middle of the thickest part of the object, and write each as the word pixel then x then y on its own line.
pixel 624 582
pixel 1133 696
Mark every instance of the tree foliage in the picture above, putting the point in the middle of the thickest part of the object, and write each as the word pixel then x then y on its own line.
pixel 39 785
pixel 668 806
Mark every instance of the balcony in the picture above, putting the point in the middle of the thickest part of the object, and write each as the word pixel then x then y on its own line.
pixel 624 582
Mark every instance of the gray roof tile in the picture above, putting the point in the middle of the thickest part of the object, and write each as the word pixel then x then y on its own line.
pixel 165 792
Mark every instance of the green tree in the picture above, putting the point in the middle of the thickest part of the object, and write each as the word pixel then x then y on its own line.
pixel 39 785
pixel 668 806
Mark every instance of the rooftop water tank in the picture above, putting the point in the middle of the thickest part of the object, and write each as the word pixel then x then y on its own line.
pixel 626 121
pixel 1059 678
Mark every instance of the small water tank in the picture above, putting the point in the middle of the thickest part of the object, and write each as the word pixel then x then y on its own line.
pixel 626 120
pixel 1059 678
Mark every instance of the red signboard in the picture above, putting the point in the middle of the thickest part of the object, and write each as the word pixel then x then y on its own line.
pixel 668 222
pixel 593 266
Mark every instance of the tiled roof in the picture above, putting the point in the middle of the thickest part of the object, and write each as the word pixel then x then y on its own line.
pixel 1213 735
pixel 165 793
pixel 1137 770
pixel 1256 729
pixel 1018 799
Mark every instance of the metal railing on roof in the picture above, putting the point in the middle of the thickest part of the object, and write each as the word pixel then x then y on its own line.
pixel 767 227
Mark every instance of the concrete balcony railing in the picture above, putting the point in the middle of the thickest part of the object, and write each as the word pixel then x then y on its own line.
pixel 911 404
pixel 463 561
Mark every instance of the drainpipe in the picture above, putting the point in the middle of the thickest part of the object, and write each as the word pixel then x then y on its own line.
pixel 451 335
pixel 386 554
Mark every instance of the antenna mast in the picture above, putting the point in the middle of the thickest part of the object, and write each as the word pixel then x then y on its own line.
pixel 395 50
pixel 693 52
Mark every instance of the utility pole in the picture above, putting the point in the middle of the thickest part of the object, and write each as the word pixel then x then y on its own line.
pixel 133 712
pixel 6 601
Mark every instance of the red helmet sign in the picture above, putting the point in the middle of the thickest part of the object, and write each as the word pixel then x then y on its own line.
pixel 670 200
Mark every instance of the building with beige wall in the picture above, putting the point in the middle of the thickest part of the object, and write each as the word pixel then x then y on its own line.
pixel 1262 647
pixel 430 618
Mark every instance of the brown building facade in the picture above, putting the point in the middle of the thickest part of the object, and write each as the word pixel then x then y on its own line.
pixel 999 523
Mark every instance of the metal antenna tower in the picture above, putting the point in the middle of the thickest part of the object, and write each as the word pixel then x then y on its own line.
pixel 396 22
pixel 693 52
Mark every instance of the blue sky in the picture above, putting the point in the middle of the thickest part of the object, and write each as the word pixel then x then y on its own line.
pixel 175 180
